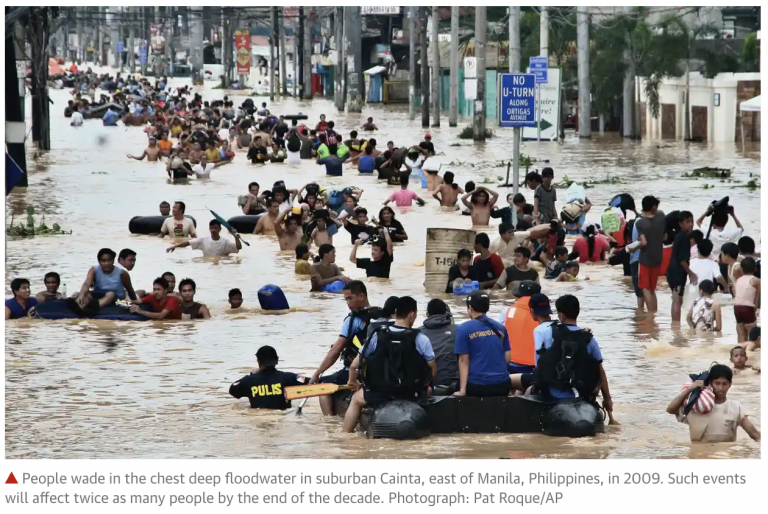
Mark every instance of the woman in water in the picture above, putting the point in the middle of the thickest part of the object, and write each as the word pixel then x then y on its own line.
pixel 387 220
pixel 592 246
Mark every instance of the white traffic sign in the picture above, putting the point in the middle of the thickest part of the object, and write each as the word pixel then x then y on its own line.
pixel 470 67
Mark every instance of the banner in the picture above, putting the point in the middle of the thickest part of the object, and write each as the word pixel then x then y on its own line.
pixel 548 97
pixel 243 48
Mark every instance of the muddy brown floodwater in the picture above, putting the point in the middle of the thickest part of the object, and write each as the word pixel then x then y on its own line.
pixel 84 389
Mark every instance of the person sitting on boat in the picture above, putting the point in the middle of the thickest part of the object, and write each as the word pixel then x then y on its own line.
pixel 105 282
pixel 349 342
pixel 520 320
pixel 586 378
pixel 390 374
pixel 482 345
pixel 21 303
pixel 265 388
pixel 52 281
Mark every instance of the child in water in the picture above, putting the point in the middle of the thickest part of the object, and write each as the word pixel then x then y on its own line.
pixel 571 272
pixel 302 266
pixel 705 314
pixel 739 360
pixel 235 299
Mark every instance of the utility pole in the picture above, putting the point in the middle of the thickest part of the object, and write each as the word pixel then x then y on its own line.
pixel 79 13
pixel 628 90
pixel 14 108
pixel 196 43
pixel 99 50
pixel 435 68
pixel 353 48
pixel 307 86
pixel 296 47
pixel 481 28
pixel 423 13
pixel 338 39
pixel 114 35
pixel 582 43
pixel 453 104
pixel 514 67
pixel 170 22
pixel 272 42
pixel 300 50
pixel 131 39
pixel 144 37
pixel 412 35
pixel 283 59
pixel 544 33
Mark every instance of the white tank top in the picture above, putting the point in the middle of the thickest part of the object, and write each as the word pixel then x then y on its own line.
pixel 744 292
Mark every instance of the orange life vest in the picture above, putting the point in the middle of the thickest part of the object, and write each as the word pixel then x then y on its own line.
pixel 520 324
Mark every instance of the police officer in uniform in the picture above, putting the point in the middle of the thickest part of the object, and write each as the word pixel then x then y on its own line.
pixel 398 363
pixel 265 389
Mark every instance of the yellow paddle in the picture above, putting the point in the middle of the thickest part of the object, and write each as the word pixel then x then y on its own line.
pixel 308 391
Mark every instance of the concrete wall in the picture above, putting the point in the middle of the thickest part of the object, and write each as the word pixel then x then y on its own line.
pixel 709 122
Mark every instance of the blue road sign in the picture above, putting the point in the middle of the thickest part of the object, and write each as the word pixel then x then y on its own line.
pixel 539 66
pixel 143 52
pixel 517 99
pixel 120 46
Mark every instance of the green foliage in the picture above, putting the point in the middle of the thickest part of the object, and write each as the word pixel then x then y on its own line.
pixel 750 52
pixel 708 172
pixel 30 230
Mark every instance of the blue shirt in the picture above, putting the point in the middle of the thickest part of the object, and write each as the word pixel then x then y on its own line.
pixel 423 345
pixel 110 118
pixel 17 311
pixel 333 164
pixel 487 365
pixel 366 164
pixel 542 336
pixel 634 256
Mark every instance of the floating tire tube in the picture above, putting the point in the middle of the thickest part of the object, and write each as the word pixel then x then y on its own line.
pixel 146 225
pixel 245 224
pixel 470 415
pixel 399 419
pixel 57 309
pixel 272 298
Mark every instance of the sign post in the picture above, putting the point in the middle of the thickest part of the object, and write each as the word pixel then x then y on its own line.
pixel 517 96
pixel 539 66
pixel 243 47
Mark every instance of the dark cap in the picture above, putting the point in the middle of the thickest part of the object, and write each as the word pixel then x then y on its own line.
pixel 267 356
pixel 527 288
pixel 539 304
pixel 479 301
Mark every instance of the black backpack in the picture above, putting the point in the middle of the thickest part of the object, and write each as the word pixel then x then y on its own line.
pixel 395 365
pixel 567 364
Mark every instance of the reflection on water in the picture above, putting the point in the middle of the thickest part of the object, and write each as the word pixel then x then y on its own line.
pixel 92 389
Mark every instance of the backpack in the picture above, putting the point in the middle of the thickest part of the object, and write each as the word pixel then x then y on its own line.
pixel 567 364
pixel 611 221
pixel 396 366
pixel 356 340
pixel 572 211
pixel 335 200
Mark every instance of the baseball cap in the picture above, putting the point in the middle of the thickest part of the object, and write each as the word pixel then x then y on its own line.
pixel 479 300
pixel 527 288
pixel 267 356
pixel 539 303
pixel 427 136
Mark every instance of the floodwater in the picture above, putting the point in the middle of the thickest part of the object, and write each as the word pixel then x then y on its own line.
pixel 83 389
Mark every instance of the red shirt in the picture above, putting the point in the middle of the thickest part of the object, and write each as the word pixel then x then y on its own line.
pixel 581 246
pixel 496 264
pixel 171 303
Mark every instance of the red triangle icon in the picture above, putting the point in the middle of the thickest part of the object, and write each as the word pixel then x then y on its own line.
pixel 11 479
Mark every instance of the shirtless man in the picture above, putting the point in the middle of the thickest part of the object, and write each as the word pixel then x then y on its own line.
pixel 267 223
pixel 434 181
pixel 480 206
pixel 369 125
pixel 320 234
pixel 195 153
pixel 151 152
pixel 448 192
pixel 290 236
